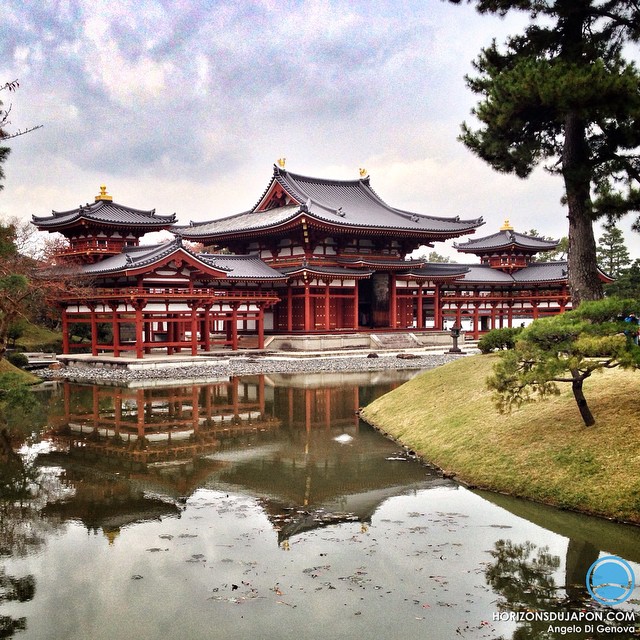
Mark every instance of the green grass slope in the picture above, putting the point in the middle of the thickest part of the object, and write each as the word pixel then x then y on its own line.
pixel 542 451
pixel 16 374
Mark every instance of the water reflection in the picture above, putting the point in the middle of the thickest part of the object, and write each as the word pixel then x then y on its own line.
pixel 524 576
pixel 130 455
pixel 22 531
pixel 272 485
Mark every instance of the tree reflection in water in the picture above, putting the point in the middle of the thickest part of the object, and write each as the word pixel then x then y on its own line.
pixel 523 574
pixel 22 529
pixel 15 490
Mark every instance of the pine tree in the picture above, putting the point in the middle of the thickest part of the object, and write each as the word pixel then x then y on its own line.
pixel 563 93
pixel 559 253
pixel 627 285
pixel 613 255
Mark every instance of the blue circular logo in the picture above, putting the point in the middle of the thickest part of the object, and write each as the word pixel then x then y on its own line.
pixel 610 580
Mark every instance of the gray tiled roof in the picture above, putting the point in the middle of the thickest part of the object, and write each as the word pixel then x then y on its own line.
pixel 439 270
pixel 237 267
pixel 346 203
pixel 104 212
pixel 241 267
pixel 240 221
pixel 484 274
pixel 542 272
pixel 506 238
pixel 380 263
pixel 331 271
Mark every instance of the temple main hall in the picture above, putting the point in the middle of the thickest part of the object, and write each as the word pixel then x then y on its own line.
pixel 313 257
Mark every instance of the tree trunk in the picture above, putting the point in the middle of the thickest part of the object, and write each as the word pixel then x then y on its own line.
pixel 581 401
pixel 584 281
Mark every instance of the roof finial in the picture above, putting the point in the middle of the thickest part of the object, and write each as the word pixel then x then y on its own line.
pixel 282 162
pixel 363 173
pixel 103 194
pixel 506 226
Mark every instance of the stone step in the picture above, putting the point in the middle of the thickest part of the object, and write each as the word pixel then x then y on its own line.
pixel 394 341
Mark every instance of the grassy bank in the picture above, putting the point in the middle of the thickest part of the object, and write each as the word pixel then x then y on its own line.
pixel 35 338
pixel 16 373
pixel 541 451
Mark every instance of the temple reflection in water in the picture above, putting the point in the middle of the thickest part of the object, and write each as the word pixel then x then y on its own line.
pixel 130 455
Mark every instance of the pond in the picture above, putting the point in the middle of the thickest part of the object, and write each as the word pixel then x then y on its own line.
pixel 263 507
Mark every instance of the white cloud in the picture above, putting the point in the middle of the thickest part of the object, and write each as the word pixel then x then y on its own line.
pixel 184 105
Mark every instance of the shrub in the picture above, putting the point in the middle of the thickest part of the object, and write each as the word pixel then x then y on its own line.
pixel 18 359
pixel 53 346
pixel 499 339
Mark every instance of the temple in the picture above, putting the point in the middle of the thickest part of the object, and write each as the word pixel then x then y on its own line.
pixel 312 257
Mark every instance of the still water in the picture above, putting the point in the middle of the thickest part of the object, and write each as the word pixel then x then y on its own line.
pixel 263 508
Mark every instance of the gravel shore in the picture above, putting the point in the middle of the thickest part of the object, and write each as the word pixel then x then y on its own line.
pixel 241 366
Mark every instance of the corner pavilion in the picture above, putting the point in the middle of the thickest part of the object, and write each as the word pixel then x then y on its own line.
pixel 312 257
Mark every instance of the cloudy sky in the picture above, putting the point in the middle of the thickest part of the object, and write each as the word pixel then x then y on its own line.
pixel 185 105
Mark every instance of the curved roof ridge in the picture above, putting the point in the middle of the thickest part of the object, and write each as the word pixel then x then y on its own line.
pixel 505 238
pixel 106 212
pixel 201 223
pixel 479 220
pixel 93 206
pixel 364 186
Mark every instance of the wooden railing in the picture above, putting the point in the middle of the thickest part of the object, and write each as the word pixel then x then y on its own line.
pixel 93 247
pixel 181 293
pixel 498 296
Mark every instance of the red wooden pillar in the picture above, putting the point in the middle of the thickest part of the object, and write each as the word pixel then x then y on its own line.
pixel 308 326
pixel 115 329
pixel 65 331
pixel 139 328
pixel 171 333
pixel 419 314
pixel 228 327
pixel 260 323
pixel 510 314
pixel 206 328
pixel 94 331
pixel 562 301
pixel 476 318
pixel 437 311
pixel 327 322
pixel 393 302
pixel 356 319
pixel 493 315
pixel 194 328
pixel 289 309
pixel 535 310
pixel 458 314
pixel 234 328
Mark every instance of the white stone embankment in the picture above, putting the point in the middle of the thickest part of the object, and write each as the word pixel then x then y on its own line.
pixel 241 366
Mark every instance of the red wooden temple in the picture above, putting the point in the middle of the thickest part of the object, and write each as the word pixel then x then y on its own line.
pixel 313 256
